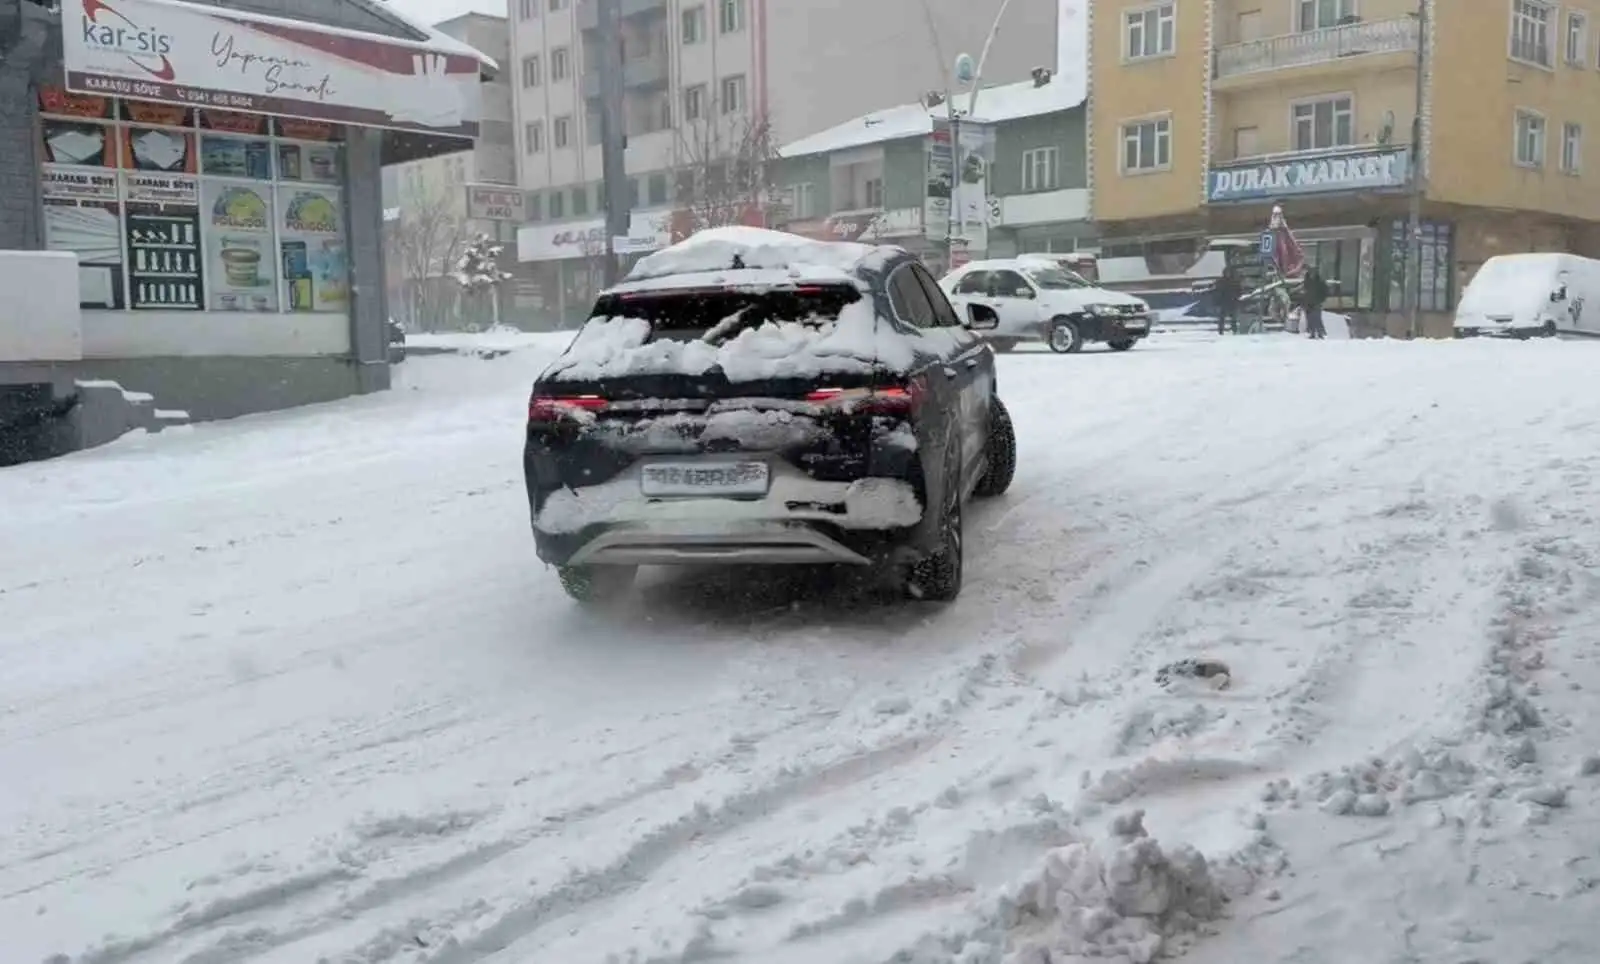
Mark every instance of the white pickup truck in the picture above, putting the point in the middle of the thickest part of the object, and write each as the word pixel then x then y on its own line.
pixel 1039 300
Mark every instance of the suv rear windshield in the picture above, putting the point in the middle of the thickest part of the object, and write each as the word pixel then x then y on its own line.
pixel 717 314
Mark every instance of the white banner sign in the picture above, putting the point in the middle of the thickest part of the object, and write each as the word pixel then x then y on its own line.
pixel 183 54
pixel 78 184
pixel 142 188
pixel 586 239
pixel 495 202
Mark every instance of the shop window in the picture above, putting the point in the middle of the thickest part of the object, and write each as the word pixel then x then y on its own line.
pixel 658 189
pixel 207 209
pixel 1437 288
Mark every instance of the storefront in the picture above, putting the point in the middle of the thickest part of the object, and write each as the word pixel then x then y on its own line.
pixel 561 265
pixel 216 173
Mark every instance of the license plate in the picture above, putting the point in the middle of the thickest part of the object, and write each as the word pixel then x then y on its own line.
pixel 1135 325
pixel 706 479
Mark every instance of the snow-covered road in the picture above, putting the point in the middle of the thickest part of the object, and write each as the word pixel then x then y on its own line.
pixel 295 689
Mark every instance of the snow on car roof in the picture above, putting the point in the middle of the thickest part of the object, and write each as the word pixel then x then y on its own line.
pixel 748 256
pixel 995 104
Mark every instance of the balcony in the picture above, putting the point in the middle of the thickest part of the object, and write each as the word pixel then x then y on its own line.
pixel 589 11
pixel 1329 47
pixel 643 72
pixel 1270 177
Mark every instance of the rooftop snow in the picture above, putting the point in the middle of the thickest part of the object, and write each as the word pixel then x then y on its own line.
pixel 995 104
pixel 714 251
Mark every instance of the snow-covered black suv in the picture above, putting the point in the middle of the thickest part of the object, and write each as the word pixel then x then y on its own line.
pixel 753 397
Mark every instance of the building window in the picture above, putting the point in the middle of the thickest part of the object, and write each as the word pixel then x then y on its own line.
pixel 1039 168
pixel 527 9
pixel 561 131
pixel 1437 288
pixel 730 16
pixel 1577 39
pixel 1317 14
pixel 530 71
pixel 694 103
pixel 1571 148
pixel 658 189
pixel 1321 124
pixel 560 64
pixel 1150 31
pixel 557 5
pixel 733 94
pixel 558 205
pixel 1147 145
pixel 872 190
pixel 694 25
pixel 1530 32
pixel 1530 139
pixel 580 200
pixel 805 202
pixel 533 137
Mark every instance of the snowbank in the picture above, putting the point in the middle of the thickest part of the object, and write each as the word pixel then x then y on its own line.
pixel 618 347
pixel 499 338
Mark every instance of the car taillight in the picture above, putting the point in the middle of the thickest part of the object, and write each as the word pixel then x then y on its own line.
pixel 553 408
pixel 896 400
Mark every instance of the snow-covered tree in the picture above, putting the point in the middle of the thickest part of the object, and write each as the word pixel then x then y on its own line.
pixel 479 274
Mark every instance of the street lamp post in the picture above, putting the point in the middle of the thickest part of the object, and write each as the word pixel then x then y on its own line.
pixel 955 225
pixel 1413 280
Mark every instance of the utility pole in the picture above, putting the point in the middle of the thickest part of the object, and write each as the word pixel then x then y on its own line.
pixel 1413 280
pixel 616 200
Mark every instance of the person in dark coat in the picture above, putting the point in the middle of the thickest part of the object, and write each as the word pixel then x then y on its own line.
pixel 1228 291
pixel 1313 294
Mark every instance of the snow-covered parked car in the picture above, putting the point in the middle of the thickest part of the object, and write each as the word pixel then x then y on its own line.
pixel 1039 300
pixel 1537 294
pixel 754 397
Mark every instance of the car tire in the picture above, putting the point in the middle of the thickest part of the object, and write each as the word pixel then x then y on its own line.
pixel 937 577
pixel 1064 337
pixel 597 585
pixel 1001 448
pixel 1122 344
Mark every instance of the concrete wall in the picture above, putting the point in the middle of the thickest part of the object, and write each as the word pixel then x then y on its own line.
pixel 39 316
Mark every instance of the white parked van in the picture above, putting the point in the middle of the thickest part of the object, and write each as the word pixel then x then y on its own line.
pixel 1530 296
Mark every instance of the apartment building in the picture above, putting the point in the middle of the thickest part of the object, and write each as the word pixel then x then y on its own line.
pixel 1205 113
pixel 795 66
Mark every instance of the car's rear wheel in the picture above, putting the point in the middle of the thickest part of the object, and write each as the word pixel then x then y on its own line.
pixel 1122 344
pixel 1064 336
pixel 1001 450
pixel 937 577
pixel 596 585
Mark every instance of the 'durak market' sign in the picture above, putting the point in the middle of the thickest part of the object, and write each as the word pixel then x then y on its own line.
pixel 1367 170
pixel 177 53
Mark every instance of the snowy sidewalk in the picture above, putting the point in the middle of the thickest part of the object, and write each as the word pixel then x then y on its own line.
pixel 295 688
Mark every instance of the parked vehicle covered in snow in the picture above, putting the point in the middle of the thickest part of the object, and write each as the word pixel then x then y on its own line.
pixel 1531 295
pixel 753 397
pixel 1037 299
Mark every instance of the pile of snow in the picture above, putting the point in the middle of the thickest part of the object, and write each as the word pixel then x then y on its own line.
pixel 717 251
pixel 499 338
pixel 854 342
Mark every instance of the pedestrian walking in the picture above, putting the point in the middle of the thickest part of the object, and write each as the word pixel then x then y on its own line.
pixel 1228 291
pixel 1313 293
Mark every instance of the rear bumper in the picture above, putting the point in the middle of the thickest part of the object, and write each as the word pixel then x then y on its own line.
pixel 799 520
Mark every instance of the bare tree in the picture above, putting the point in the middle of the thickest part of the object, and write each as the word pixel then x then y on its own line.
pixel 724 169
pixel 426 243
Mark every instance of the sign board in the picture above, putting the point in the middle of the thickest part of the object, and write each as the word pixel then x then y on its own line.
pixel 196 56
pixel 1267 245
pixel 496 202
pixel 1360 169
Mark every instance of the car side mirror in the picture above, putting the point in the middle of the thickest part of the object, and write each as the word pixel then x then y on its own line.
pixel 982 318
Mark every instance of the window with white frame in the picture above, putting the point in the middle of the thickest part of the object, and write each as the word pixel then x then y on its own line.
pixel 527 9
pixel 1317 14
pixel 561 131
pixel 1147 145
pixel 1150 31
pixel 560 64
pixel 1323 123
pixel 1039 169
pixel 1530 32
pixel 694 25
pixel 1530 139
pixel 733 94
pixel 805 202
pixel 530 71
pixel 1577 38
pixel 730 16
pixel 1571 148
pixel 694 102
pixel 559 4
pixel 533 137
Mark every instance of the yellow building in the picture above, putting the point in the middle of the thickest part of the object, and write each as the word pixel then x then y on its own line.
pixel 1203 113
